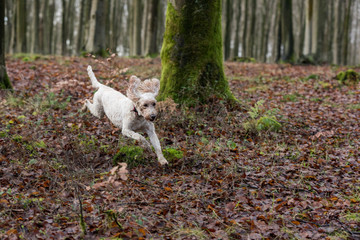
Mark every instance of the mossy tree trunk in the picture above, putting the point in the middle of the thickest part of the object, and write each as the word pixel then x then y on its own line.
pixel 191 55
pixel 4 79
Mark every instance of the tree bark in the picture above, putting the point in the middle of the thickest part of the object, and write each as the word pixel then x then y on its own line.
pixel 4 79
pixel 191 55
pixel 237 30
pixel 346 37
pixel 100 39
pixel 228 29
pixel 152 29
pixel 287 31
pixel 21 26
pixel 34 37
pixel 308 26
pixel 135 47
pixel 245 33
pixel 92 25
pixel 12 30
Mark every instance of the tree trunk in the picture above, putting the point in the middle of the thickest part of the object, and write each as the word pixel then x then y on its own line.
pixel 151 45
pixel 336 30
pixel 287 31
pixel 228 29
pixel 21 26
pixel 48 19
pixel 12 30
pixel 135 47
pixel 245 33
pixel 4 79
pixel 100 39
pixel 308 27
pixel 346 27
pixel 84 25
pixel 237 31
pixel 191 55
pixel 251 37
pixel 92 25
pixel 34 26
pixel 64 26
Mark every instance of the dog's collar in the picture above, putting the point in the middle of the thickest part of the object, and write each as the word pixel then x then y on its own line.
pixel 136 111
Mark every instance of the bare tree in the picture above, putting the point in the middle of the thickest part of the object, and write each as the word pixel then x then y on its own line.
pixel 4 79
pixel 21 26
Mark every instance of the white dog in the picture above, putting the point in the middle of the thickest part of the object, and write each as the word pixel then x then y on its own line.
pixel 133 113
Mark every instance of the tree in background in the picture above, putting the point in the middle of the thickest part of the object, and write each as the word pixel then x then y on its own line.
pixel 191 55
pixel 152 28
pixel 4 79
pixel 286 36
pixel 21 26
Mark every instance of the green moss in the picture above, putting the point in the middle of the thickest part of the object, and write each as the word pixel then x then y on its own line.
pixel 244 59
pixel 191 55
pixel 28 57
pixel 132 155
pixel 348 77
pixel 5 81
pixel 172 154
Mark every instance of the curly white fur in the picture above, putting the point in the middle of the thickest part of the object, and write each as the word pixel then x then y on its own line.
pixel 133 113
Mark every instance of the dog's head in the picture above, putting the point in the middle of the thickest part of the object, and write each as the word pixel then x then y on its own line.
pixel 143 95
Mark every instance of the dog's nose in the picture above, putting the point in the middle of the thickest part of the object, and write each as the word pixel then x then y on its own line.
pixel 152 117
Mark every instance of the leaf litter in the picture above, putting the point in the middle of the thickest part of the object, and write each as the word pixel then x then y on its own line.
pixel 58 180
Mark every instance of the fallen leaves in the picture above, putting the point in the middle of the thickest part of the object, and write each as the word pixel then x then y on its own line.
pixel 301 182
pixel 116 174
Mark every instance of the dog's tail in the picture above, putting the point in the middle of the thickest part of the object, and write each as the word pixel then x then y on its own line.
pixel 93 79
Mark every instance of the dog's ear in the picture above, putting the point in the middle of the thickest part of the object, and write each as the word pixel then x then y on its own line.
pixel 156 85
pixel 132 91
pixel 150 86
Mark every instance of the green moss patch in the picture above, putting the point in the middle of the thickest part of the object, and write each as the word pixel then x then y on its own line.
pixel 172 154
pixel 132 155
pixel 348 77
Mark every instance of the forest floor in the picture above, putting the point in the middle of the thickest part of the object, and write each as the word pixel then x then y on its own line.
pixel 283 165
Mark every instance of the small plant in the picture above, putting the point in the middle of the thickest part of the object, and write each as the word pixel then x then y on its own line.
pixel 172 154
pixel 312 76
pixel 132 155
pixel 261 120
pixel 352 217
pixel 290 98
pixel 14 101
pixel 348 77
pixel 44 101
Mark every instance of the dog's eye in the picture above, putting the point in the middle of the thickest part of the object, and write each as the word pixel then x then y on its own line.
pixel 145 105
pixel 154 104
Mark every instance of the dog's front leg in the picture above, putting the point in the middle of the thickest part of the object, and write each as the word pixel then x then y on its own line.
pixel 131 134
pixel 156 144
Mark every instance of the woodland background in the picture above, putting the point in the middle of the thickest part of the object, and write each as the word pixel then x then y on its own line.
pixel 282 164
pixel 298 31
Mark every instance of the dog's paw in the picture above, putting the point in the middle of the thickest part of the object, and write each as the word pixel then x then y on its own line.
pixel 84 107
pixel 163 161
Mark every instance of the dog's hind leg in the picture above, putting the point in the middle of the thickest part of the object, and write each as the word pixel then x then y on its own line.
pixel 95 108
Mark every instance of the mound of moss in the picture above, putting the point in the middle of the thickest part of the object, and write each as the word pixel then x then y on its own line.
pixel 172 154
pixel 348 77
pixel 244 59
pixel 132 155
